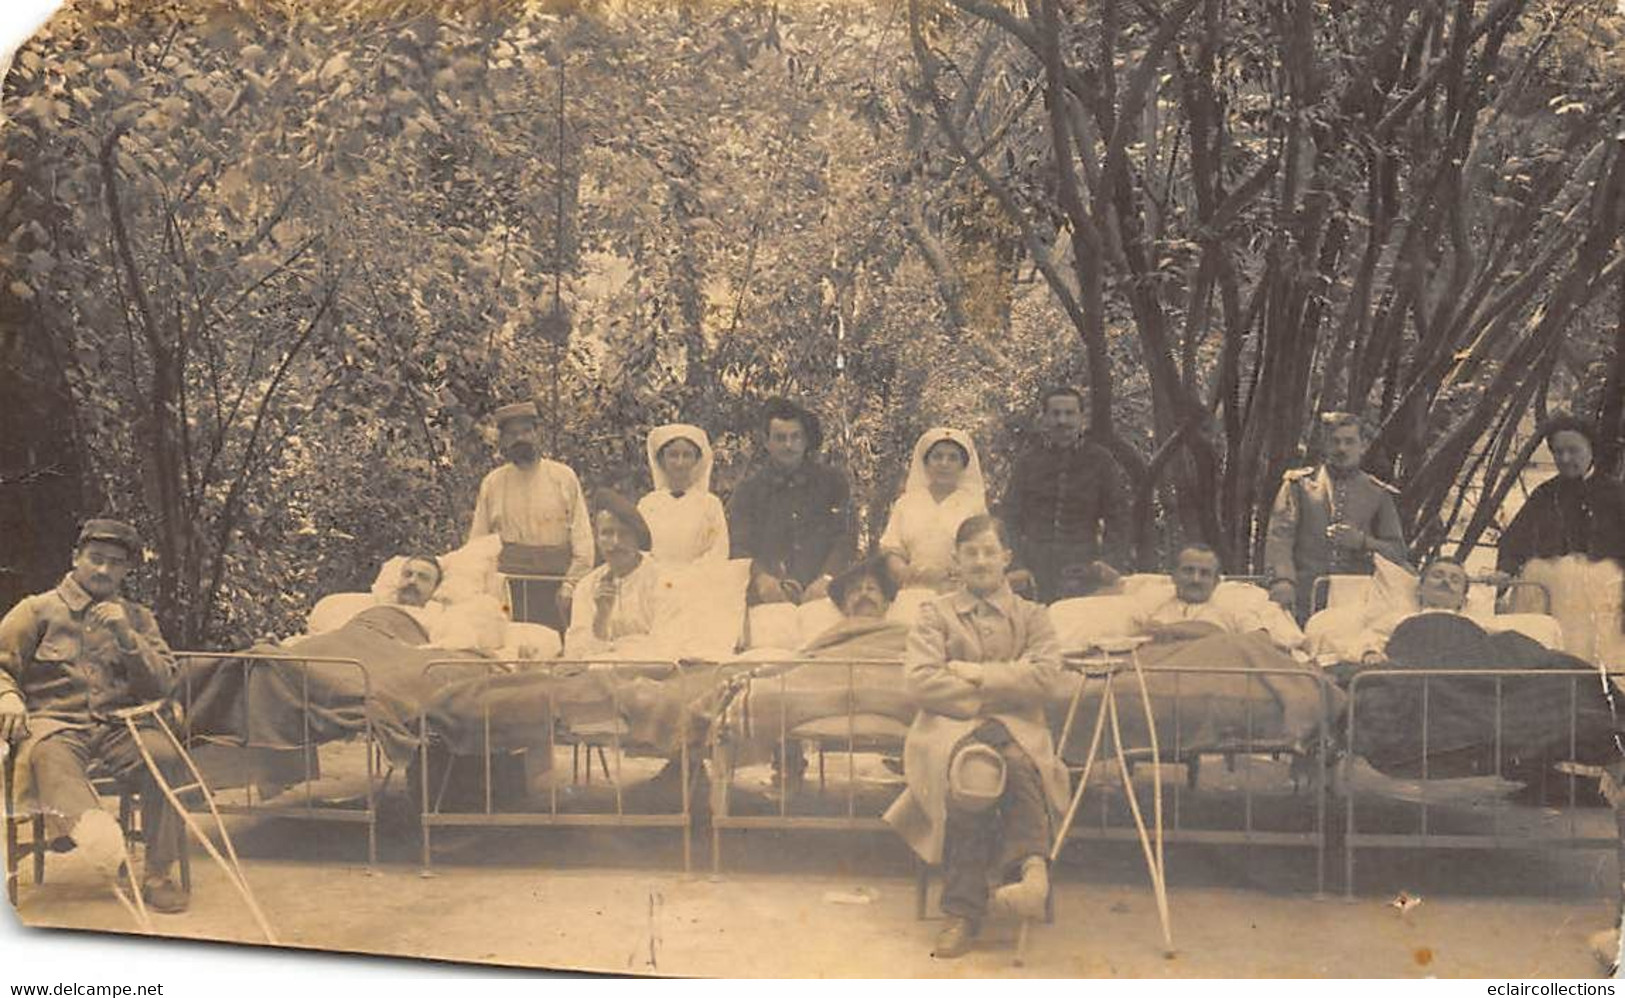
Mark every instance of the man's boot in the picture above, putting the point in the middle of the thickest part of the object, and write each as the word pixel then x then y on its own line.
pixel 955 939
pixel 163 894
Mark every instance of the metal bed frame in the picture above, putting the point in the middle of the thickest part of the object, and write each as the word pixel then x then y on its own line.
pixel 1497 838
pixel 850 745
pixel 307 809
pixel 488 816
pixel 1247 749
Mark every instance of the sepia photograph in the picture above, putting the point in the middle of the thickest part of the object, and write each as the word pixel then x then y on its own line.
pixel 818 488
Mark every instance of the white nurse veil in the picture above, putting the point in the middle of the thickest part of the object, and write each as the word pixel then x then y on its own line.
pixel 660 436
pixel 971 481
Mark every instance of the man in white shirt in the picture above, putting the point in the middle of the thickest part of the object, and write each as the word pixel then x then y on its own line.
pixel 537 507
pixel 1196 577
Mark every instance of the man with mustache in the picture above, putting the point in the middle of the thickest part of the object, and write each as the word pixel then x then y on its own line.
pixel 538 509
pixel 1196 576
pixel 1330 520
pixel 420 577
pixel 70 660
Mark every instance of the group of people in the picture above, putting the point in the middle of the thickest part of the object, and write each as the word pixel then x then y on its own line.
pixel 981 660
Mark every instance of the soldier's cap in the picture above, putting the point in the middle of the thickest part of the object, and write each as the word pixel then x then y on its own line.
pixel 114 532
pixel 517 410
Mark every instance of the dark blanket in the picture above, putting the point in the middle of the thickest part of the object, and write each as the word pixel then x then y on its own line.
pixel 261 704
pixel 1211 693
pixel 1535 712
pixel 655 708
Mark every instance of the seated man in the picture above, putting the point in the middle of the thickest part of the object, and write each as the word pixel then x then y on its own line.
pixel 618 606
pixel 69 660
pixel 981 664
pixel 1196 577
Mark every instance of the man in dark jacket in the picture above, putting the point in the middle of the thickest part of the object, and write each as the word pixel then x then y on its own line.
pixel 1067 504
pixel 793 517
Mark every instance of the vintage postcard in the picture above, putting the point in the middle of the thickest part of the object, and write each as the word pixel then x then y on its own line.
pixel 820 488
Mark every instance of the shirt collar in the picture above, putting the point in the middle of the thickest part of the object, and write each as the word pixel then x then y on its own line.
pixel 73 594
pixel 1002 600
pixel 781 477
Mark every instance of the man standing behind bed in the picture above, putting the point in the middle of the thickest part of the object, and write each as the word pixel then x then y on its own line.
pixel 793 517
pixel 1067 504
pixel 1330 520
pixel 536 506
pixel 69 659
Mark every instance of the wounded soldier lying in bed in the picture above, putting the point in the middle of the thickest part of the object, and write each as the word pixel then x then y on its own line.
pixel 310 700
pixel 811 701
pixel 1521 723
pixel 1196 578
pixel 1359 633
pixel 1222 671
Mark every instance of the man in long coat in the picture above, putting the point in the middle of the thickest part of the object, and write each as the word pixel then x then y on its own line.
pixel 981 663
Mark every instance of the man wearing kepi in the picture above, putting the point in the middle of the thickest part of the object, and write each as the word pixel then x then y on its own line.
pixel 69 660
pixel 984 782
pixel 1330 520
pixel 793 517
pixel 536 506
pixel 1067 504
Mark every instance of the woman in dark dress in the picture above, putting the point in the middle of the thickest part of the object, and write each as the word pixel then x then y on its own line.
pixel 1580 512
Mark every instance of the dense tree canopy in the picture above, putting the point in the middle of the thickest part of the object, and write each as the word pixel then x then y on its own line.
pixel 268 268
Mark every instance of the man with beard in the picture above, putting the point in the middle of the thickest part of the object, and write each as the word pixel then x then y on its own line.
pixel 537 507
pixel 1330 520
pixel 420 577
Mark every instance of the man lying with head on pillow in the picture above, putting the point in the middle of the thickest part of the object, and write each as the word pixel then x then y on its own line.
pixel 1442 588
pixel 1200 607
pixel 1361 633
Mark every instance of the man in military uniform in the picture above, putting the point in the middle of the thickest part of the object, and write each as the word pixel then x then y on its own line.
pixel 1067 505
pixel 1331 519
pixel 70 659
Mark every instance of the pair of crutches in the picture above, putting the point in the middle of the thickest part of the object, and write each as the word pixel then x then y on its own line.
pixel 1105 667
pixel 227 861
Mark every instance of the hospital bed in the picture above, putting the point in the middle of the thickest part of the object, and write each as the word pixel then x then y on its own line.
pixel 531 713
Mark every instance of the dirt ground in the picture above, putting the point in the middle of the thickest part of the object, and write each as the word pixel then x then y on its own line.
pixel 818 903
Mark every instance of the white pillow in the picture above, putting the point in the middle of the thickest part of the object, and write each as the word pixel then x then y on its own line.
pixel 1155 588
pixel 1392 590
pixel 1084 620
pixel 704 611
pixel 1240 596
pixel 774 625
pixel 814 618
pixel 470 570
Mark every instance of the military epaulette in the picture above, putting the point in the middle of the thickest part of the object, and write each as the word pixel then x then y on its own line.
pixel 1379 483
pixel 1297 474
